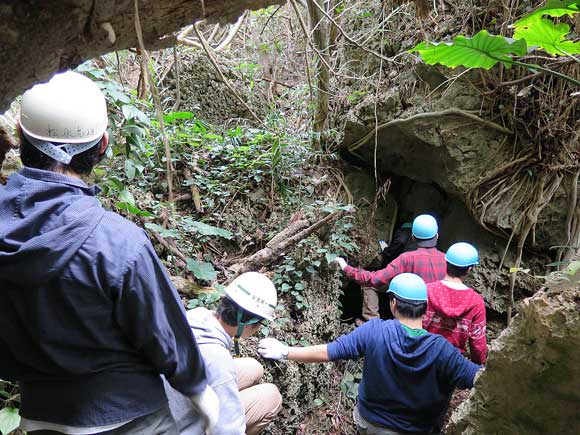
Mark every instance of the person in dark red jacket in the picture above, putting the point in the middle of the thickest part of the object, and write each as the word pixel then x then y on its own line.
pixel 454 310
pixel 426 261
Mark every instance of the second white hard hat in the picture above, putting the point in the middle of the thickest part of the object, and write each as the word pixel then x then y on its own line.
pixel 255 293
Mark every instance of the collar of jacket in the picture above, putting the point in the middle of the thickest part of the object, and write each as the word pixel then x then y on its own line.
pixel 429 243
pixel 55 177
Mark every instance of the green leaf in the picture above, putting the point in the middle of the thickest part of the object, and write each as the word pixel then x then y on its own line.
pixel 174 116
pixel 126 196
pixel 543 33
pixel 481 51
pixel 348 377
pixel 130 112
pixel 201 270
pixel 573 268
pixel 162 231
pixel 209 230
pixel 553 8
pixel 318 402
pixel 130 208
pixel 330 257
pixel 9 420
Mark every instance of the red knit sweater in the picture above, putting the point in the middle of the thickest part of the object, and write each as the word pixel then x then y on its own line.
pixel 459 316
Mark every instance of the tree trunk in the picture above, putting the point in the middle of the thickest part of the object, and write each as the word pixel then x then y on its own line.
pixel 319 30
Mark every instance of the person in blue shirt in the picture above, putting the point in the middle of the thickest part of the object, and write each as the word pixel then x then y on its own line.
pixel 89 319
pixel 408 375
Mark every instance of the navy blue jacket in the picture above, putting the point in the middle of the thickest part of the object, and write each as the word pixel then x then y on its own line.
pixel 88 316
pixel 407 381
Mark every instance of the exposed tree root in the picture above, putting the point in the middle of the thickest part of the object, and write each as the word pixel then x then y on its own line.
pixel 447 112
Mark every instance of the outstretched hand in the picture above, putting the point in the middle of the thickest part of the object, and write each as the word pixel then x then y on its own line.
pixel 270 348
pixel 341 262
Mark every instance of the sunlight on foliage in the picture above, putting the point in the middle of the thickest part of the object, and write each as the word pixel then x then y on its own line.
pixel 543 33
pixel 9 420
pixel 532 32
pixel 481 51
pixel 553 8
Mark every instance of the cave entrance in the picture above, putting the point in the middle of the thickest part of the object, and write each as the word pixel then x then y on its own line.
pixel 406 199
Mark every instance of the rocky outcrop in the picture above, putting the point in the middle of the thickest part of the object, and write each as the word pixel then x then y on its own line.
pixel 444 139
pixel 531 384
pixel 38 39
pixel 203 92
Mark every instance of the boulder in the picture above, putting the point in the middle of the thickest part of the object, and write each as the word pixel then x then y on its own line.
pixel 531 384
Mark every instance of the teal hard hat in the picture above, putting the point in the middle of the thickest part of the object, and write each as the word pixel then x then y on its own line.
pixel 409 286
pixel 425 227
pixel 462 254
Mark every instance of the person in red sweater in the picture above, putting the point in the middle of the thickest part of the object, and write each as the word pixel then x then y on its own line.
pixel 454 310
pixel 426 261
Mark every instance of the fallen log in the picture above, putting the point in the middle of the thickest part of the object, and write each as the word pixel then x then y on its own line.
pixel 281 243
pixel 190 288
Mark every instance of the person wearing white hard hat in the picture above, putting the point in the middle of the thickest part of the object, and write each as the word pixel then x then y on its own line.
pixel 456 311
pixel 408 374
pixel 426 261
pixel 246 406
pixel 89 319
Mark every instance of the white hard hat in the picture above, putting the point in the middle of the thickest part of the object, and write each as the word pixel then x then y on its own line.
pixel 255 293
pixel 69 109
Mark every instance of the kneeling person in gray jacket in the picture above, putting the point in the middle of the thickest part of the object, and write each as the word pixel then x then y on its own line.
pixel 246 407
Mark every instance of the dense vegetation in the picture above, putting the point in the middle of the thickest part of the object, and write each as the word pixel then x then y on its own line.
pixel 213 184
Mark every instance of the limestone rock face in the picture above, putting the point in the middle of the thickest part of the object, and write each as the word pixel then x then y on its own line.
pixel 427 140
pixel 531 384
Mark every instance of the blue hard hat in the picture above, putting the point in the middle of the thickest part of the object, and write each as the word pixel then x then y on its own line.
pixel 425 227
pixel 409 286
pixel 462 254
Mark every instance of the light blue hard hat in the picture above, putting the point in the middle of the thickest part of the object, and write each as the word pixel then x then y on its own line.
pixel 462 254
pixel 409 286
pixel 425 227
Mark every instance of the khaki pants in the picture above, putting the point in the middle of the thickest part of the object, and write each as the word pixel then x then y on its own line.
pixel 261 402
pixel 370 308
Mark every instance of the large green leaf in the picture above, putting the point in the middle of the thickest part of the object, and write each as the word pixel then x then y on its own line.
pixel 201 270
pixel 9 420
pixel 553 8
pixel 165 233
pixel 543 33
pixel 210 230
pixel 481 51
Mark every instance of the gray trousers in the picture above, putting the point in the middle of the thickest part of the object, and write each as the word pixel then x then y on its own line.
pixel 158 423
pixel 365 427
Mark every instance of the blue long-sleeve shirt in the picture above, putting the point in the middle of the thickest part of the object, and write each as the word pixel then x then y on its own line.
pixel 89 318
pixel 407 381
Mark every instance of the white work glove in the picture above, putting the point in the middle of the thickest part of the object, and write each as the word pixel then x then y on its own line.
pixel 341 262
pixel 383 245
pixel 270 348
pixel 207 404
